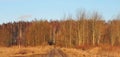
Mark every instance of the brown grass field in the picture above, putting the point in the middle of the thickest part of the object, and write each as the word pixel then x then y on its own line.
pixel 70 52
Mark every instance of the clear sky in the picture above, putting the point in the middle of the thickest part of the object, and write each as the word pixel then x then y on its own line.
pixel 14 10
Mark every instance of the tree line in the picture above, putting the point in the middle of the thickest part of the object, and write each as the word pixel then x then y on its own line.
pixel 70 32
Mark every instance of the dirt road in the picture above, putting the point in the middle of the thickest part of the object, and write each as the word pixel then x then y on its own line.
pixel 56 53
pixel 53 53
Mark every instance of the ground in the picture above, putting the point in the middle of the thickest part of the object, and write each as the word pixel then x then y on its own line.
pixel 50 51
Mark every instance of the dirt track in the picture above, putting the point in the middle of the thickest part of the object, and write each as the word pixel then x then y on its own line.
pixel 56 53
pixel 52 53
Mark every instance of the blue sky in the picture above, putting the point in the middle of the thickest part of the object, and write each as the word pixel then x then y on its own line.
pixel 14 10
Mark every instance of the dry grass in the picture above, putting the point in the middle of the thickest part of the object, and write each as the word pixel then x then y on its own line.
pixel 70 52
pixel 23 51
pixel 92 52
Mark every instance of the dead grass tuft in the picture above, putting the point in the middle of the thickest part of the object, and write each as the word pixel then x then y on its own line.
pixel 23 51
